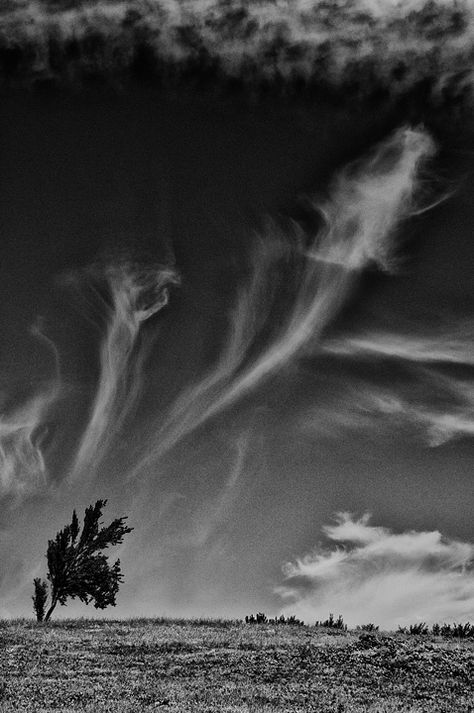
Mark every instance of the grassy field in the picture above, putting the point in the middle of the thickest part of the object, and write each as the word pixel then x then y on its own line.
pixel 149 665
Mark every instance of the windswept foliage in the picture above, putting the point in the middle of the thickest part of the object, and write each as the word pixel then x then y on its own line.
pixel 77 567
pixel 459 631
pixel 261 618
pixel 332 623
pixel 40 597
pixel 370 626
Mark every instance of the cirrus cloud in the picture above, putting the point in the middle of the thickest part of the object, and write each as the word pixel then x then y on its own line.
pixel 435 394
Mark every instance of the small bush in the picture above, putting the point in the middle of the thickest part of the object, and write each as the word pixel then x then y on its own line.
pixel 40 598
pixel 332 623
pixel 419 628
pixel 283 620
pixel 259 618
pixel 415 629
pixel 460 631
pixel 367 627
pixel 288 620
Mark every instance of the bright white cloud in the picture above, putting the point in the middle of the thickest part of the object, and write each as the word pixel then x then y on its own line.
pixel 377 575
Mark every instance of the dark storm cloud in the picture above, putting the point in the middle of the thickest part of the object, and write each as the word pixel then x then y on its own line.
pixel 361 45
pixel 374 574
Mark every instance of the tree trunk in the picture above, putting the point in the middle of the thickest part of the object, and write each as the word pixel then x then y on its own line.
pixel 50 610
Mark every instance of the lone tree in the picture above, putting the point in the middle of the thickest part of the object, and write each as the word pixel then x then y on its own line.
pixel 77 566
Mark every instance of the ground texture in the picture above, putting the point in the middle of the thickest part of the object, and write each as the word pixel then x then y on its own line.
pixel 181 666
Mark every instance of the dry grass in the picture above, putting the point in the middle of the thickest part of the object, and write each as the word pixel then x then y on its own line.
pixel 145 665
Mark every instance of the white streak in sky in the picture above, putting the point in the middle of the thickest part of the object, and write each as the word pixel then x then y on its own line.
pixel 367 201
pixel 22 464
pixel 37 331
pixel 439 409
pixel 451 344
pixel 137 294
pixel 374 574
pixel 442 404
pixel 442 407
pixel 217 509
pixel 207 518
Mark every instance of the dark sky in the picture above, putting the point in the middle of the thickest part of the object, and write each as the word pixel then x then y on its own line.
pixel 247 323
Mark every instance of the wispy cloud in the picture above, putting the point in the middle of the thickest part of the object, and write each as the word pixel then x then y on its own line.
pixel 436 410
pixel 136 294
pixel 22 465
pixel 218 508
pixel 367 201
pixel 441 410
pixel 374 574
pixel 451 343
pixel 434 392
pixel 23 429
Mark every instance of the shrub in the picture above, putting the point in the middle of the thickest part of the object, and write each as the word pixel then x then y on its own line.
pixel 461 631
pixel 284 620
pixel 40 597
pixel 332 623
pixel 292 620
pixel 367 627
pixel 261 618
pixel 419 628
pixel 415 629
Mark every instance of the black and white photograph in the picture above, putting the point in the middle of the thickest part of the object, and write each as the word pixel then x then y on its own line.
pixel 237 356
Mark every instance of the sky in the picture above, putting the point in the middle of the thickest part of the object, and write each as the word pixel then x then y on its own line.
pixel 241 313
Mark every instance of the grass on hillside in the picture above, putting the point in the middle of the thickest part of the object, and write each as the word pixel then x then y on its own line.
pixel 149 665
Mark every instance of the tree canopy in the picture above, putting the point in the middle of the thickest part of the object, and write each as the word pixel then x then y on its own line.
pixel 77 566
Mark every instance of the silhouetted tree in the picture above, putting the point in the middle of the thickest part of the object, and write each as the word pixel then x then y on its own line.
pixel 40 597
pixel 77 566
